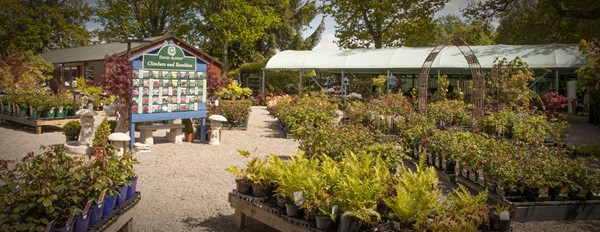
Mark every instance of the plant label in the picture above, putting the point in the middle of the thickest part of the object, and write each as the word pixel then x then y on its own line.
pixel 298 198
pixel 86 209
pixel 49 226
pixel 334 210
pixel 101 197
pixel 70 218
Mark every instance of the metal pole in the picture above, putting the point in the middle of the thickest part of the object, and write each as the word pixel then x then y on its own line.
pixel 300 83
pixel 262 87
pixel 387 86
pixel 557 80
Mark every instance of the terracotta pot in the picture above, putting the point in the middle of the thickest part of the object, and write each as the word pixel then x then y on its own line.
pixel 189 137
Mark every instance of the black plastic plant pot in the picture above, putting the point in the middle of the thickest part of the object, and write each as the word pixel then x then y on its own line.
pixel 281 201
pixel 260 190
pixel 243 187
pixel 291 209
pixel 348 224
pixel 323 222
pixel 499 225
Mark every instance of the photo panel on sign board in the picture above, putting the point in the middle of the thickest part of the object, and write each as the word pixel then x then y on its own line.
pixel 146 74
pixel 155 83
pixel 174 83
pixel 154 100
pixel 184 83
pixel 146 91
pixel 146 83
pixel 164 108
pixel 182 75
pixel 173 107
pixel 154 108
pixel 165 91
pixel 136 82
pixel 145 100
pixel 183 91
pixel 165 83
pixel 174 75
pixel 155 74
pixel 192 83
pixel 155 91
pixel 182 107
pixel 145 109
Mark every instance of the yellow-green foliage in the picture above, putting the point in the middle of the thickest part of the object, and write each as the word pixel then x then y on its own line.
pixel 102 133
pixel 443 84
pixel 23 72
pixel 365 178
pixel 234 91
pixel 462 211
pixel 416 196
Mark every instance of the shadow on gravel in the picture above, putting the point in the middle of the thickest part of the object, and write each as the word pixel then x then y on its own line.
pixel 276 131
pixel 224 223
pixel 28 129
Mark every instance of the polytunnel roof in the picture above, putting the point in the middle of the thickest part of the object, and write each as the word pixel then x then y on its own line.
pixel 412 58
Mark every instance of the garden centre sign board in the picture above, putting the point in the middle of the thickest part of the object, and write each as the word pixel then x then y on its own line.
pixel 170 57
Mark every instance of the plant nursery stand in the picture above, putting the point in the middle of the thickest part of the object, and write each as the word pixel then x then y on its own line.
pixel 542 210
pixel 37 123
pixel 248 206
pixel 121 219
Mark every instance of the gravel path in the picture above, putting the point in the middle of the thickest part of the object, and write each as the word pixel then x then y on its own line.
pixel 184 187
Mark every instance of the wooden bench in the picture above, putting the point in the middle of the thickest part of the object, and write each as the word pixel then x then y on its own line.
pixel 174 135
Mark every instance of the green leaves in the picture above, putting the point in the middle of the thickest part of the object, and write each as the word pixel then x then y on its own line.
pixel 379 24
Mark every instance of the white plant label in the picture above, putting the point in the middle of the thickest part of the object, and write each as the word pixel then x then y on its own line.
pixel 334 209
pixel 298 198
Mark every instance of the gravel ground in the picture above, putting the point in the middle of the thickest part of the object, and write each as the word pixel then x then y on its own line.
pixel 184 187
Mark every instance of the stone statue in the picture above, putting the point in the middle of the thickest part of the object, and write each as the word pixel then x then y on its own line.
pixel 86 135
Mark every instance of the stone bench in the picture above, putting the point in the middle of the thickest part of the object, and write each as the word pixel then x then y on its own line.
pixel 174 135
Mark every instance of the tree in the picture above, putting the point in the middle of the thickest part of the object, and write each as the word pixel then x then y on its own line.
pixel 386 23
pixel 541 21
pixel 232 27
pixel 24 72
pixel 473 32
pixel 589 77
pixel 40 25
pixel 121 19
pixel 118 82
pixel 295 17
pixel 507 85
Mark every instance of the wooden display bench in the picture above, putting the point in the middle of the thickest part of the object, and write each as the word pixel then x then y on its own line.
pixel 121 219
pixel 541 210
pixel 253 207
pixel 36 122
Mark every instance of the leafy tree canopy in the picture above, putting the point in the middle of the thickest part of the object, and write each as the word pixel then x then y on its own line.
pixel 474 32
pixel 386 23
pixel 24 72
pixel 231 28
pixel 295 17
pixel 540 21
pixel 41 25
pixel 121 19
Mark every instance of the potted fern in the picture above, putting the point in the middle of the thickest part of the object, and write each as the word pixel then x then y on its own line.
pixel 291 181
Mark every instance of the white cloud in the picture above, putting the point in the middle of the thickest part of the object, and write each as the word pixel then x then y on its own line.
pixel 326 42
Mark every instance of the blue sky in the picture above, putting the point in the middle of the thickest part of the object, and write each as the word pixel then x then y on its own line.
pixel 452 8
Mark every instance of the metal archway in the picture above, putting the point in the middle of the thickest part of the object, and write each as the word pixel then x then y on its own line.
pixel 478 79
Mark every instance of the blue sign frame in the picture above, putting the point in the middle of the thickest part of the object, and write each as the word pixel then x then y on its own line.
pixel 199 112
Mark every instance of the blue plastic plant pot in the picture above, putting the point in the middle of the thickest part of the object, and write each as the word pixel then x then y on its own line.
pixel 95 213
pixel 122 194
pixel 131 188
pixel 81 223
pixel 109 204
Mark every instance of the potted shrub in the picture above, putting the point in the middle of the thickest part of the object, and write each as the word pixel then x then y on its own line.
pixel 291 181
pixel 71 130
pixel 321 195
pixel 188 129
pixel 242 181
pixel 101 138
pixel 500 218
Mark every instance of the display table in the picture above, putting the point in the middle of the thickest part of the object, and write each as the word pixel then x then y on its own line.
pixel 250 206
pixel 121 219
pixel 36 122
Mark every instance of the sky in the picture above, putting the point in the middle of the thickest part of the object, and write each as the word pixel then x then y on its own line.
pixel 328 36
